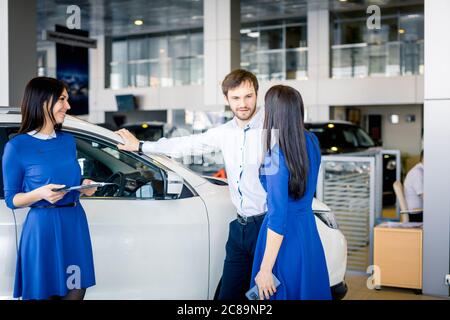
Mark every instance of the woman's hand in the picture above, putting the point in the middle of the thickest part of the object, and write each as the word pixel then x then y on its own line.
pixel 46 193
pixel 265 283
pixel 88 192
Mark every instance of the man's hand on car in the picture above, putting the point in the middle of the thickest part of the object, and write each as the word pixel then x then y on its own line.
pixel 130 143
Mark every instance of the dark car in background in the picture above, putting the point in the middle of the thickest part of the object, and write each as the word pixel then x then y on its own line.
pixel 146 131
pixel 338 137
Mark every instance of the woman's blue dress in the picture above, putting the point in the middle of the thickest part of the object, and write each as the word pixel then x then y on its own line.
pixel 55 252
pixel 300 265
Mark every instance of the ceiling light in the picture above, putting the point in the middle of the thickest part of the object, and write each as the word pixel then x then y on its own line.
pixel 401 31
pixel 244 31
pixel 330 125
pixel 139 22
pixel 253 34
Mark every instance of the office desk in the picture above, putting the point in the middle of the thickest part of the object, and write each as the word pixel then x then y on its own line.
pixel 398 254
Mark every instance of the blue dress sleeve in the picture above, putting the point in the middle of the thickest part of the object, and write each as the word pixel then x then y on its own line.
pixel 13 174
pixel 277 180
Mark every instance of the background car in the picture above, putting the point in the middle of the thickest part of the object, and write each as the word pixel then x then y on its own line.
pixel 160 232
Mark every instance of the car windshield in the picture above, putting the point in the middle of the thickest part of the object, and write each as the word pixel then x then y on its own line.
pixel 341 136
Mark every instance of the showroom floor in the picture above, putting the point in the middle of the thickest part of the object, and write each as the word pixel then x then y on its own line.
pixel 357 290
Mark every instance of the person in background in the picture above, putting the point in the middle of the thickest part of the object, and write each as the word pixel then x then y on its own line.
pixel 54 259
pixel 413 186
pixel 289 245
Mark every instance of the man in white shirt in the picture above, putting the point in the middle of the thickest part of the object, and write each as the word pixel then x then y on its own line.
pixel 413 186
pixel 240 141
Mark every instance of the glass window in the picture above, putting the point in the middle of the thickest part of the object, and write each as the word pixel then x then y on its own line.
pixel 139 74
pixel 157 61
pixel 157 47
pixel 296 64
pixel 138 49
pixel 271 39
pixel 394 49
pixel 119 51
pixel 196 47
pixel 275 50
pixel 133 178
pixel 271 66
pixel 249 41
pixel 295 37
pixel 119 75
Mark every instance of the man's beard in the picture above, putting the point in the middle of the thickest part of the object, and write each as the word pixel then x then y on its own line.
pixel 246 118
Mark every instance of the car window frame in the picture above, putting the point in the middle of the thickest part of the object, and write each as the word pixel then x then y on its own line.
pixel 188 193
pixel 142 158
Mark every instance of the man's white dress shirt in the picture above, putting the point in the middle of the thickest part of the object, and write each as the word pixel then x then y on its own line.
pixel 242 151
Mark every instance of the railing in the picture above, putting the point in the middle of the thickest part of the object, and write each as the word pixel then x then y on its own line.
pixel 162 72
pixel 279 64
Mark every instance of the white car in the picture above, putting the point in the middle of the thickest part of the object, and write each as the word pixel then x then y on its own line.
pixel 160 233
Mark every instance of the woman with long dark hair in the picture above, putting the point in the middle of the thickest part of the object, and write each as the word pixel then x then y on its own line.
pixel 55 253
pixel 289 245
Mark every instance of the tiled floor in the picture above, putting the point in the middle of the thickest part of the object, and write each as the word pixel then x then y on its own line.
pixel 358 290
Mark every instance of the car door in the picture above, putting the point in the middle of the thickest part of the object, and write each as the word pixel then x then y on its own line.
pixel 146 244
pixel 10 227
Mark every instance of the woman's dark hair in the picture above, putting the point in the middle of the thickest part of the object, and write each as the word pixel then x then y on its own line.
pixel 284 112
pixel 38 93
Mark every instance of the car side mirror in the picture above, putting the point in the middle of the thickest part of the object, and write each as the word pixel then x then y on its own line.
pixel 174 185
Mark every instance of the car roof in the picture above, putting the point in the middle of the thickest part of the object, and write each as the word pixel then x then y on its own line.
pixel 331 121
pixel 9 110
pixel 138 124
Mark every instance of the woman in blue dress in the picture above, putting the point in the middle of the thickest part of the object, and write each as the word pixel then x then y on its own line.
pixel 54 260
pixel 289 245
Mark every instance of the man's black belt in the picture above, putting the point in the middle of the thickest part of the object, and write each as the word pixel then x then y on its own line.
pixel 248 219
pixel 67 205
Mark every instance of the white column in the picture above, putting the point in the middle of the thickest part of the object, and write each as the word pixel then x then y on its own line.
pixel 221 47
pixel 436 231
pixel 18 61
pixel 318 56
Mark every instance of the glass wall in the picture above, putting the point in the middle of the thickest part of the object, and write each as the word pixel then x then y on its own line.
pixel 396 49
pixel 157 61
pixel 275 50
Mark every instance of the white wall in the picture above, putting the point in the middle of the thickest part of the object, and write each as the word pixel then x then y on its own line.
pixel 436 229
pixel 403 136
pixel 4 61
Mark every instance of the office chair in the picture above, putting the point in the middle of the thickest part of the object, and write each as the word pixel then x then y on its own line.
pixel 415 215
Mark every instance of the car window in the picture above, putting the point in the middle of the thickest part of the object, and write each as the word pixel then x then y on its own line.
pixel 364 139
pixel 350 138
pixel 133 178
